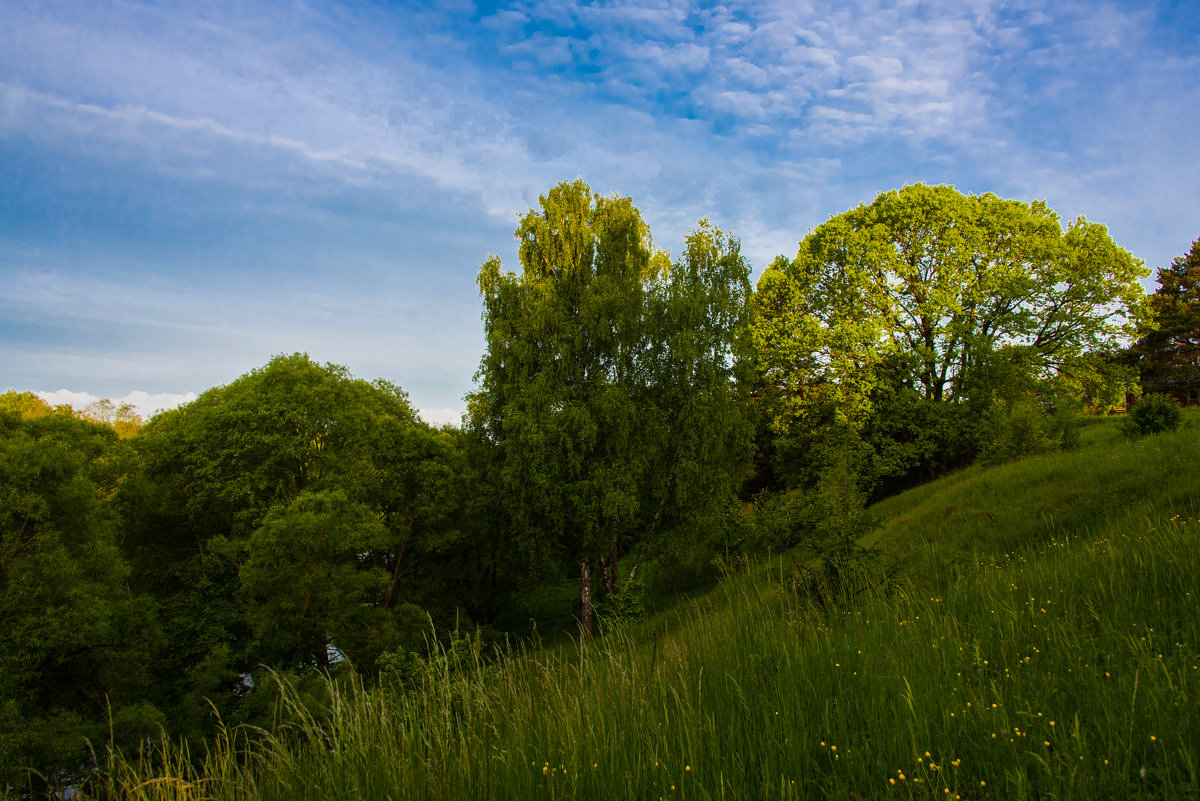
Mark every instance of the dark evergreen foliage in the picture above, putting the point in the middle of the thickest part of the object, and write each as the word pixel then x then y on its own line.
pixel 1167 354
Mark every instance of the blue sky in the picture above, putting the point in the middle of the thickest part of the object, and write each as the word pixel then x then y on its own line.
pixel 187 189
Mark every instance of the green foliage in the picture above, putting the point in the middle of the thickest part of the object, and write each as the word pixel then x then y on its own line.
pixel 936 281
pixel 628 603
pixel 1023 416
pixel 1154 414
pixel 606 391
pixel 825 519
pixel 303 575
pixel 290 518
pixel 1014 430
pixel 73 640
pixel 928 296
pixel 122 418
pixel 1101 381
pixel 24 405
pixel 265 553
pixel 1031 662
pixel 401 667
pixel 824 528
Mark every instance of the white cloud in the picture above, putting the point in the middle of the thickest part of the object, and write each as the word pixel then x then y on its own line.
pixel 547 52
pixel 872 67
pixel 145 403
pixel 65 397
pixel 351 114
pixel 218 79
pixel 505 21
pixel 440 417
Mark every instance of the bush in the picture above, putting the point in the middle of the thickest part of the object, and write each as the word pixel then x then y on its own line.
pixel 1014 430
pixel 1154 413
pixel 629 603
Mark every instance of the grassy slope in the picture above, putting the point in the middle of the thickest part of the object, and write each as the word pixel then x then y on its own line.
pixel 1046 643
pixel 935 528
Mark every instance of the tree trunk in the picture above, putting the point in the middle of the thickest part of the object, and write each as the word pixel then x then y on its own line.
pixel 585 595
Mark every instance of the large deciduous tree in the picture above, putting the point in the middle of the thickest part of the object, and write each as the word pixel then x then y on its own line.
pixel 606 388
pixel 936 294
pixel 295 511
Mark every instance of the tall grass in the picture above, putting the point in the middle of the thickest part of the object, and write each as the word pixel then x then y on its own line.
pixel 1045 643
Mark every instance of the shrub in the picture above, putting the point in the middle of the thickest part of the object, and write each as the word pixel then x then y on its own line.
pixel 1014 430
pixel 1154 413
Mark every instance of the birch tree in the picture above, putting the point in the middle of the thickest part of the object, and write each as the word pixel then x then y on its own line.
pixel 606 388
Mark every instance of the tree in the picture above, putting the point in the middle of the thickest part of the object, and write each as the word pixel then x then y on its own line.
pixel 73 639
pixel 932 292
pixel 25 405
pixel 1154 414
pixel 1167 353
pixel 295 513
pixel 606 386
pixel 309 583
pixel 696 399
pixel 123 418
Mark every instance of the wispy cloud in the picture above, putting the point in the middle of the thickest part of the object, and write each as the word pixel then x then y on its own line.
pixel 349 153
pixel 839 75
pixel 196 87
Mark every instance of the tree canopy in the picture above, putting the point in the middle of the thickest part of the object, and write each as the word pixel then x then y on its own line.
pixel 308 521
pixel 73 640
pixel 934 283
pixel 607 378
pixel 1167 354
pixel 933 295
pixel 288 517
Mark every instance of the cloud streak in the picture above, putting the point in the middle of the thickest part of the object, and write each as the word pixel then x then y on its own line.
pixel 196 187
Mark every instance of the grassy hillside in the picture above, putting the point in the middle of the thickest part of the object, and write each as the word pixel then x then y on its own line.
pixel 1039 637
pixel 989 512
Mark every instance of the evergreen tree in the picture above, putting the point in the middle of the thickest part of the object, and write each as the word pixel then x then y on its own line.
pixel 1168 354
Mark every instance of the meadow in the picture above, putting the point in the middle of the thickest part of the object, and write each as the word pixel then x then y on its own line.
pixel 1025 631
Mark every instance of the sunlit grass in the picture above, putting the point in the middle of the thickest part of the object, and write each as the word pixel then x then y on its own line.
pixel 1042 641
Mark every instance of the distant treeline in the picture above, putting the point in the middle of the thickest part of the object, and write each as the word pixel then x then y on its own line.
pixel 636 418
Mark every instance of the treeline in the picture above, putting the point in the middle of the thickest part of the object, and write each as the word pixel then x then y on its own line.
pixel 636 418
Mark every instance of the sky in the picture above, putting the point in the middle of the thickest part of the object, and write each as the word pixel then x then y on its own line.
pixel 188 189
